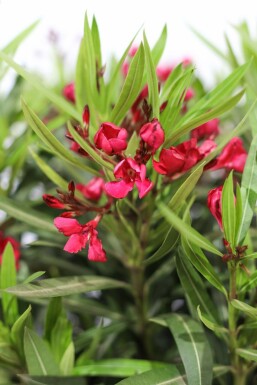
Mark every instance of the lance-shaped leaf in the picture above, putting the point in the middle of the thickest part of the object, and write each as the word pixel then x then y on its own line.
pixel 50 140
pixel 193 347
pixel 26 214
pixel 117 367
pixel 248 354
pixel 194 287
pixel 191 234
pixel 152 80
pixel 56 287
pixel 250 283
pixel 228 210
pixel 59 101
pixel 217 329
pixel 248 191
pixel 17 331
pixel 8 278
pixel 159 46
pixel 245 308
pixel 39 358
pixel 169 376
pixel 131 88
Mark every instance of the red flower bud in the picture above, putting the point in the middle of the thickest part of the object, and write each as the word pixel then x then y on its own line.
pixel 214 204
pixel 153 135
pixel 69 92
pixel 111 139
pixel 53 202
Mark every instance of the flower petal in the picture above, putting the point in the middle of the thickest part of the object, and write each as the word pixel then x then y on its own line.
pixel 144 187
pixel 76 242
pixel 96 252
pixel 68 226
pixel 118 189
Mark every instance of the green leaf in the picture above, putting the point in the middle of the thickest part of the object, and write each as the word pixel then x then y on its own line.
pixel 39 358
pixel 117 367
pixel 248 354
pixel 59 101
pixel 245 308
pixel 17 331
pixel 248 191
pixel 48 171
pixel 187 231
pixel 217 329
pixel 34 276
pixel 209 44
pixel 228 210
pixel 25 214
pixel 8 278
pixel 50 380
pixel 159 46
pixel 54 309
pixel 193 347
pixel 152 80
pixel 186 188
pixel 131 88
pixel 169 376
pixel 50 140
pixel 133 144
pixel 67 362
pixel 193 286
pixel 56 287
pixel 94 155
pixel 96 43
pixel 250 284
pixel 202 264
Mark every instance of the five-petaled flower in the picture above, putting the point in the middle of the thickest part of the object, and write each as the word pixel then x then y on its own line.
pixel 175 161
pixel 111 138
pixel 130 173
pixel 214 204
pixel 79 235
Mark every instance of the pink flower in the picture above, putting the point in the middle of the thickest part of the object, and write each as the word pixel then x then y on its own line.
pixel 214 204
pixel 16 247
pixel 208 130
pixel 92 190
pixel 175 161
pixel 111 139
pixel 69 92
pixel 130 173
pixel 189 94
pixel 79 235
pixel 163 72
pixel 232 157
pixel 153 135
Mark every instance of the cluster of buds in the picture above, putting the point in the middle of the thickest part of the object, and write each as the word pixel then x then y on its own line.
pixel 230 255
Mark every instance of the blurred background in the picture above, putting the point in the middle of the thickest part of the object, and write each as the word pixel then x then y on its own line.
pixel 62 23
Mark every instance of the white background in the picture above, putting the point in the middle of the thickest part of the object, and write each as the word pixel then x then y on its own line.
pixel 119 20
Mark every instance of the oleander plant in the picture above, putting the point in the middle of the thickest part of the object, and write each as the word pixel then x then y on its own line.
pixel 128 210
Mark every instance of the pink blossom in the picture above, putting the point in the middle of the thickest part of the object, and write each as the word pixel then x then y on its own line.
pixel 214 204
pixel 153 135
pixel 16 247
pixel 79 235
pixel 111 139
pixel 163 72
pixel 208 130
pixel 69 92
pixel 93 190
pixel 175 161
pixel 130 173
pixel 232 157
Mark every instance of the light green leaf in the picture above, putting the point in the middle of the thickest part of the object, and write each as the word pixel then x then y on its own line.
pixel 248 354
pixel 17 331
pixel 117 367
pixel 228 210
pixel 250 284
pixel 39 358
pixel 217 329
pixel 187 231
pixel 59 101
pixel 159 46
pixel 131 88
pixel 162 376
pixel 193 347
pixel 152 80
pixel 96 42
pixel 56 287
pixel 67 362
pixel 248 191
pixel 209 44
pixel 8 278
pixel 133 144
pixel 26 214
pixel 245 308
pixel 50 140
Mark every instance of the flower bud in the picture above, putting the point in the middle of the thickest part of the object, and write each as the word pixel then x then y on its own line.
pixel 214 204
pixel 153 135
pixel 111 139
